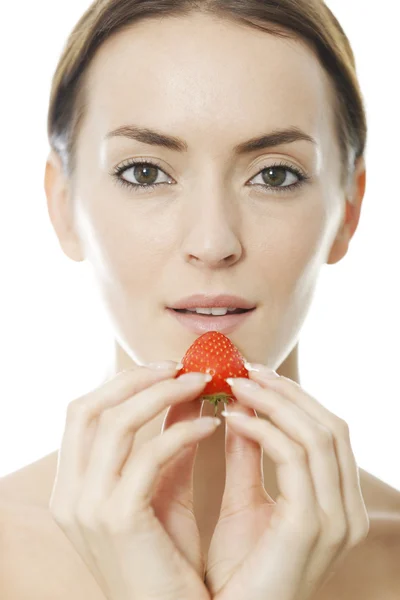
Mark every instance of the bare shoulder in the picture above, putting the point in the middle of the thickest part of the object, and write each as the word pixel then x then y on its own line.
pixel 32 544
pixel 371 571
pixel 31 485
pixel 38 561
pixel 381 499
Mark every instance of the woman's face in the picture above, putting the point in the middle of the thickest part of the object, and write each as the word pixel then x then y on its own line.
pixel 213 225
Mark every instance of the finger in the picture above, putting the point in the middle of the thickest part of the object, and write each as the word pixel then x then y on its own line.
pixel 296 509
pixel 117 426
pixel 244 479
pixel 78 433
pixel 355 508
pixel 318 443
pixel 176 478
pixel 134 492
pixel 294 526
pixel 81 418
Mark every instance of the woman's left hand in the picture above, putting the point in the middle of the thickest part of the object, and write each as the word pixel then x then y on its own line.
pixel 284 550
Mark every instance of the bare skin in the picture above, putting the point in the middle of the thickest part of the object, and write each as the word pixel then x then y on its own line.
pixel 25 520
pixel 207 232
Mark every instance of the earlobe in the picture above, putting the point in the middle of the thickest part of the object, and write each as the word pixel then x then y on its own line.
pixel 59 207
pixel 352 214
pixel 341 243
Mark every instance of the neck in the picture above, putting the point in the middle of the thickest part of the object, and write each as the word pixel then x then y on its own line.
pixel 290 366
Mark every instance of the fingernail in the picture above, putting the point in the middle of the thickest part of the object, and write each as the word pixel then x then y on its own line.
pixel 194 377
pixel 242 382
pixel 207 423
pixel 262 369
pixel 165 364
pixel 225 413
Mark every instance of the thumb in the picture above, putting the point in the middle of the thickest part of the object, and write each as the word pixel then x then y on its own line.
pixel 176 477
pixel 244 466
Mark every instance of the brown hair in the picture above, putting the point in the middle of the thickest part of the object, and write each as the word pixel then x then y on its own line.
pixel 310 20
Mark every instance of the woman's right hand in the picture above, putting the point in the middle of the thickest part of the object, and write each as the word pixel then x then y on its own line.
pixel 103 491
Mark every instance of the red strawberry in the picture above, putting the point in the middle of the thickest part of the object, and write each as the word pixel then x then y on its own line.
pixel 214 353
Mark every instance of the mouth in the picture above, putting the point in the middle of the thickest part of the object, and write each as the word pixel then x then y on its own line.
pixel 199 323
pixel 237 311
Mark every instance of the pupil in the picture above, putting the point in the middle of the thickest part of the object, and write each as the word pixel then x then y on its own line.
pixel 146 170
pixel 276 179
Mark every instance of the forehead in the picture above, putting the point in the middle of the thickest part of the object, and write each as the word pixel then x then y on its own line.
pixel 206 74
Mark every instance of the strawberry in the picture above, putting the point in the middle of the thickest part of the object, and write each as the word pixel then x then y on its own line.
pixel 214 353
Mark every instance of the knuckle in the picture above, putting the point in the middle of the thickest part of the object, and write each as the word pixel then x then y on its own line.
pixel 334 527
pixel 365 529
pixel 322 437
pixel 337 535
pixel 313 530
pixel 117 418
pixel 342 429
pixel 275 414
pixel 147 455
pixel 77 408
pixel 361 533
pixel 108 417
pixel 297 453
pixel 356 539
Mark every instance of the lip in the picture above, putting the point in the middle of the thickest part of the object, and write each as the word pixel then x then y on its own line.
pixel 210 301
pixel 202 324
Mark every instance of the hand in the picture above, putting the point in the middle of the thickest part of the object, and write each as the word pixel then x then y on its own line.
pixel 284 550
pixel 103 496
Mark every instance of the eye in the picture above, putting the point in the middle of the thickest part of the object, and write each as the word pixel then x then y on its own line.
pixel 144 172
pixel 280 178
pixel 276 176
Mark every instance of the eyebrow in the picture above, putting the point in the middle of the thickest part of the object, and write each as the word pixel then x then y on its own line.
pixel 156 138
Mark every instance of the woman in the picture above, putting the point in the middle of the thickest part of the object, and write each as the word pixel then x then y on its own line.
pixel 263 187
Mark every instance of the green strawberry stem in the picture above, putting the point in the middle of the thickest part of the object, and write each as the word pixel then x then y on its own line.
pixel 217 398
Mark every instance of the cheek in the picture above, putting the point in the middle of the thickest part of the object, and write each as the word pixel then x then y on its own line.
pixel 132 259
pixel 124 253
pixel 292 265
pixel 291 243
pixel 309 235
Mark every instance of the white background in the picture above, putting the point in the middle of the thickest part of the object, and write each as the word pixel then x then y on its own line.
pixel 56 341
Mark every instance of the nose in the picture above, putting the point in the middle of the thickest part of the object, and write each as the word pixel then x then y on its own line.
pixel 211 235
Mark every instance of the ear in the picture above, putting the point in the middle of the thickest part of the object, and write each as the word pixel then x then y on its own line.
pixel 354 198
pixel 60 208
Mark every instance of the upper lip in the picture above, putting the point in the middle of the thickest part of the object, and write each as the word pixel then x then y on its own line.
pixel 210 301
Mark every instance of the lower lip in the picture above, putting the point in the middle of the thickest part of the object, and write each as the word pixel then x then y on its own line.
pixel 202 324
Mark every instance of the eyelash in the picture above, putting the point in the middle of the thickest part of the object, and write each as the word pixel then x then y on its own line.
pixel 138 187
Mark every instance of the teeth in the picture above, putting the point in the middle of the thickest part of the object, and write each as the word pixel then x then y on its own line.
pixel 211 311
